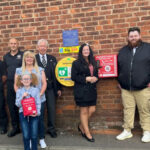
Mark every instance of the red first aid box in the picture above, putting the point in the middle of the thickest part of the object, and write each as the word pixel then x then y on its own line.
pixel 108 65
pixel 29 106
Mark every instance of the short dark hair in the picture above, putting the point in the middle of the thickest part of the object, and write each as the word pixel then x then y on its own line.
pixel 134 29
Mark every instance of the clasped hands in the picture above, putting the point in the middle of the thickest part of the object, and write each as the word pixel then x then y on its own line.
pixel 91 79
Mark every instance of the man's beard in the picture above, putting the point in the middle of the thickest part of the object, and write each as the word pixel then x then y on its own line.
pixel 135 44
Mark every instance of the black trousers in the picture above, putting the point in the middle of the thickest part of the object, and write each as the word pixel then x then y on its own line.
pixel 3 114
pixel 51 109
pixel 13 109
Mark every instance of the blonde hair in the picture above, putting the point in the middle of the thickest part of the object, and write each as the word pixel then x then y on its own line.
pixel 33 78
pixel 29 54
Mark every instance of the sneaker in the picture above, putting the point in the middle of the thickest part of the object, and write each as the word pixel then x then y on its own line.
pixel 124 135
pixel 42 143
pixel 30 144
pixel 146 136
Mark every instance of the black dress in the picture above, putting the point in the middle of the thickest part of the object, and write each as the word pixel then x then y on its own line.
pixel 85 93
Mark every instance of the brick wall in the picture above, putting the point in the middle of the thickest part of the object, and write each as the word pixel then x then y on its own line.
pixel 101 23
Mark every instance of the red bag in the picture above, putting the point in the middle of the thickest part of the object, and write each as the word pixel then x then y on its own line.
pixel 29 106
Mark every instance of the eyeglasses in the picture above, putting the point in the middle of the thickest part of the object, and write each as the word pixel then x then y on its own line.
pixel 26 79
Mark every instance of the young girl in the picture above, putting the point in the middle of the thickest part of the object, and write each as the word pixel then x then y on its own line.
pixel 29 124
pixel 29 64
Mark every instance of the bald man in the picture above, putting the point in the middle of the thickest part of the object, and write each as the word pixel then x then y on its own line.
pixel 12 60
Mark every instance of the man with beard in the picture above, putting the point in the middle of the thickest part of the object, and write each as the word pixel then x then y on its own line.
pixel 134 80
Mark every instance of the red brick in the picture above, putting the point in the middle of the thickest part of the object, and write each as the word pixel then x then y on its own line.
pixel 27 34
pixel 145 18
pixel 15 17
pixel 4 13
pixel 91 4
pixel 135 19
pixel 15 35
pixel 15 3
pixel 103 2
pixel 17 30
pixel 38 10
pixel 28 20
pixel 5 22
pixel 68 2
pixel 107 12
pixel 85 19
pixel 145 8
pixel 106 7
pixel 117 1
pixel 91 23
pixel 142 3
pixel 43 4
pixel 133 9
pixel 118 6
pixel 118 11
pixel 6 31
pixel 31 5
pixel 64 7
pixel 8 8
pixel 28 11
pixel 4 3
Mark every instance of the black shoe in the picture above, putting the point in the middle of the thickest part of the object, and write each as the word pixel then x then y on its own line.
pixel 80 131
pixel 3 131
pixel 53 134
pixel 88 139
pixel 13 132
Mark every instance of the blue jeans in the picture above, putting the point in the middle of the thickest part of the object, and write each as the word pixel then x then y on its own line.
pixel 29 127
pixel 41 129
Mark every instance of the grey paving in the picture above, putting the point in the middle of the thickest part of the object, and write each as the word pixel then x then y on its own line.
pixel 73 141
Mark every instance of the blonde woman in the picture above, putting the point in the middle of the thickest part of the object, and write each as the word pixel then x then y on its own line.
pixel 29 64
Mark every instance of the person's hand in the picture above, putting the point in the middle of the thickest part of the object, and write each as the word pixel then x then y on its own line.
pixel 148 85
pixel 41 94
pixel 119 86
pixel 25 94
pixel 94 79
pixel 59 93
pixel 34 115
pixel 88 79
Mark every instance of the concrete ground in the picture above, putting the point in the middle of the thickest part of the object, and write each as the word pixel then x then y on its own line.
pixel 74 141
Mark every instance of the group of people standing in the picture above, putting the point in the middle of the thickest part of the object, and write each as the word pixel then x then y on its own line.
pixel 134 84
pixel 21 71
pixel 29 74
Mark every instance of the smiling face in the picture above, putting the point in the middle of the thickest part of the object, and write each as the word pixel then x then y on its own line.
pixel 86 51
pixel 26 80
pixel 134 38
pixel 13 44
pixel 42 48
pixel 29 60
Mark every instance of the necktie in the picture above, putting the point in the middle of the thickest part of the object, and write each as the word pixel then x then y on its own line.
pixel 43 61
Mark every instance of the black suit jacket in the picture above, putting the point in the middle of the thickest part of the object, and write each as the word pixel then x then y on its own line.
pixel 52 82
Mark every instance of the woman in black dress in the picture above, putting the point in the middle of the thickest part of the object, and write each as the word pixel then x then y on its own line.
pixel 85 75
